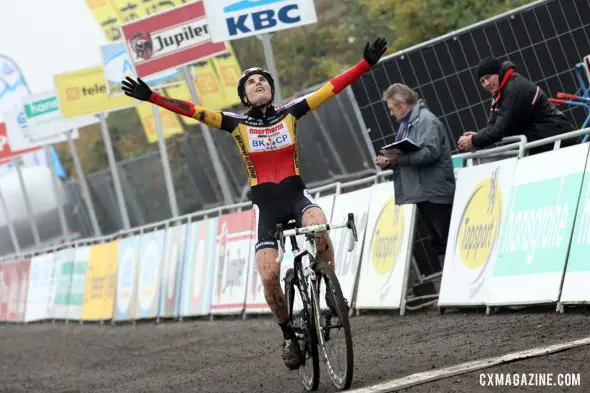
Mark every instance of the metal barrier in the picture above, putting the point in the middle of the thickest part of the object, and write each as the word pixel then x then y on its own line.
pixel 556 140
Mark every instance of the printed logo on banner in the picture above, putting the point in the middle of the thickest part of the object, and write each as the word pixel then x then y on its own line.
pixel 127 275
pixel 170 39
pixel 142 45
pixel 386 242
pixel 152 245
pixel 245 18
pixel 479 227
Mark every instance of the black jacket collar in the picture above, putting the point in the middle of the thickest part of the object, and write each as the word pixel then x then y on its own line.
pixel 257 112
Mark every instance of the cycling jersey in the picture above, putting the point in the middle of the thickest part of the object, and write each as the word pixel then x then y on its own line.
pixel 267 141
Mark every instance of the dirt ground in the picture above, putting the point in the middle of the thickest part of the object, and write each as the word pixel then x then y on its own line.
pixel 232 355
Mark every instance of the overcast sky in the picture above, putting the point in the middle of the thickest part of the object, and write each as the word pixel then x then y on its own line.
pixel 47 37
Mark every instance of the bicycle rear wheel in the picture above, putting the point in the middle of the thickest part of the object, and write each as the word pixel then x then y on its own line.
pixel 300 311
pixel 329 318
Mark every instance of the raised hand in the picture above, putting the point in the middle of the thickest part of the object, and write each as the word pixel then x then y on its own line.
pixel 373 53
pixel 140 90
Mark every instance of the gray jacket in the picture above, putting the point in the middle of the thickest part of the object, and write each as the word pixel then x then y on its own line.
pixel 426 174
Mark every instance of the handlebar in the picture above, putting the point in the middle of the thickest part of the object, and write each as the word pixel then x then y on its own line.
pixel 349 223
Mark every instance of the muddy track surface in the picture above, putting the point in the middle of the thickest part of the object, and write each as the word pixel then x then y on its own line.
pixel 233 355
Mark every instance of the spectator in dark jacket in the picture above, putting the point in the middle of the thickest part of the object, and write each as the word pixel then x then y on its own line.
pixel 424 177
pixel 519 107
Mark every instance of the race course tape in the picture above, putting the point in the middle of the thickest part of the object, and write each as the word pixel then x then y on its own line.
pixel 429 376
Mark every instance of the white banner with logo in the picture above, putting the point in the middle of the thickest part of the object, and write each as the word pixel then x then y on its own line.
pixel 78 283
pixel 127 278
pixel 44 118
pixel 347 263
pixel 481 197
pixel 577 275
pixel 197 271
pixel 244 18
pixel 537 227
pixel 234 247
pixel 42 287
pixel 386 255
pixel 172 266
pixel 149 276
pixel 12 84
pixel 20 134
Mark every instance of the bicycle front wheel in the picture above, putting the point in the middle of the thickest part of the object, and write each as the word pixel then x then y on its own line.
pixel 333 326
pixel 303 322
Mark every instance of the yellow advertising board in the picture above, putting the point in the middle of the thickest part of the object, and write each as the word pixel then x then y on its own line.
pixel 107 18
pixel 228 71
pixel 84 92
pixel 169 120
pixel 101 282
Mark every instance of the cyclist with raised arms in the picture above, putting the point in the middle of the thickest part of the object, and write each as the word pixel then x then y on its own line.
pixel 267 139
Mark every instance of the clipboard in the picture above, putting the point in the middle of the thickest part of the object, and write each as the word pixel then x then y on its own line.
pixel 405 145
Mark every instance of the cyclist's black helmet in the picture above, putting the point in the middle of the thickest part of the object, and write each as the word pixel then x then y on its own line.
pixel 249 72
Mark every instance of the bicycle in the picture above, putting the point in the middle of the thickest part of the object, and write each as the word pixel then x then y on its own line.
pixel 312 325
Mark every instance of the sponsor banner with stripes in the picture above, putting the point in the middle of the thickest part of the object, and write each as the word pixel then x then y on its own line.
pixel 127 278
pixel 64 269
pixel 78 283
pixel 172 265
pixel 148 282
pixel 14 287
pixel 197 273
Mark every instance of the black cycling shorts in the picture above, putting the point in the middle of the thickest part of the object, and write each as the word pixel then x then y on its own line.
pixel 277 204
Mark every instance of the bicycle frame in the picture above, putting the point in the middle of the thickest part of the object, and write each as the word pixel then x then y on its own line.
pixel 306 276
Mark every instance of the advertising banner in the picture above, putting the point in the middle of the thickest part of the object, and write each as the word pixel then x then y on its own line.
pixel 101 281
pixel 20 134
pixel 84 92
pixel 150 274
pixel 78 286
pixel 537 227
pixel 481 197
pixel 244 18
pixel 197 272
pixel 44 118
pixel 386 257
pixel 234 244
pixel 575 284
pixel 107 18
pixel 347 263
pixel 42 286
pixel 173 264
pixel 12 84
pixel 7 153
pixel 127 278
pixel 229 72
pixel 170 39
pixel 14 288
pixel 64 269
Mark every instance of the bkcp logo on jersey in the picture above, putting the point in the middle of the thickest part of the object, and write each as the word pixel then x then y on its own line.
pixel 243 18
pixel 269 138
pixel 479 228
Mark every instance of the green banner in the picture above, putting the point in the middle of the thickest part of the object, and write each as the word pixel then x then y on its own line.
pixel 537 226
